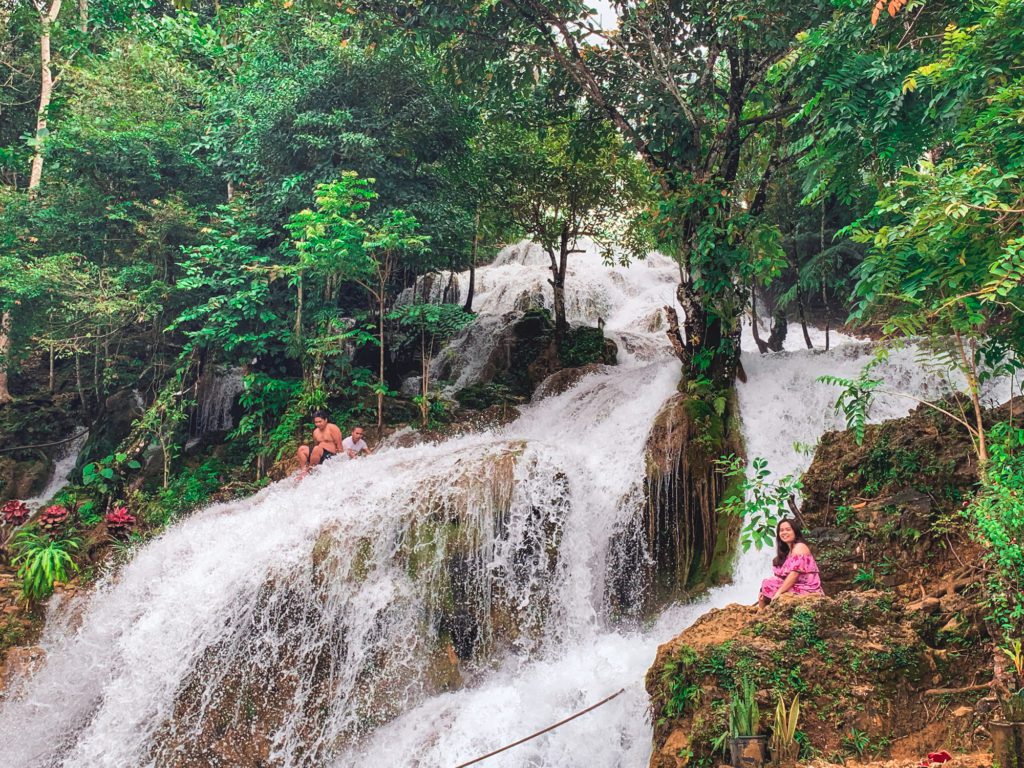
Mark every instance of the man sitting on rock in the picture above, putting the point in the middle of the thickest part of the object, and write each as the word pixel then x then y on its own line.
pixel 354 444
pixel 327 442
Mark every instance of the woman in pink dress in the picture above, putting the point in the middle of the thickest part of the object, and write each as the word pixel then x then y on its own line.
pixel 794 567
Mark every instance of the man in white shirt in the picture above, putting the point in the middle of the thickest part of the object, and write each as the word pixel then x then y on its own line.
pixel 354 444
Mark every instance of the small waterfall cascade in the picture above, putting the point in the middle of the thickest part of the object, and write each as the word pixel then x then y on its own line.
pixel 62 469
pixel 428 604
pixel 218 391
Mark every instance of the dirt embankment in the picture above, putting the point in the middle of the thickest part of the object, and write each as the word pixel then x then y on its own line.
pixel 895 662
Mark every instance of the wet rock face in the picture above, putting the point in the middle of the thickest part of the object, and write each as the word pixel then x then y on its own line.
pixel 113 426
pixel 682 541
pixel 333 647
pixel 524 353
pixel 23 479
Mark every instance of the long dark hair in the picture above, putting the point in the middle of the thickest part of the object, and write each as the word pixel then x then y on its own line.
pixel 781 547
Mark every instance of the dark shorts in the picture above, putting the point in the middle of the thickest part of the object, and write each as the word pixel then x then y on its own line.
pixel 325 457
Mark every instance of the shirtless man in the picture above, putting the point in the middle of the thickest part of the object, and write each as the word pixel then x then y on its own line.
pixel 354 444
pixel 326 443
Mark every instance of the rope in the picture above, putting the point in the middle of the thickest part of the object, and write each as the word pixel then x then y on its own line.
pixel 540 733
pixel 45 445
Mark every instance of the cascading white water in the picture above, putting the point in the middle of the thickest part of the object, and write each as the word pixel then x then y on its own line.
pixel 217 394
pixel 312 611
pixel 62 469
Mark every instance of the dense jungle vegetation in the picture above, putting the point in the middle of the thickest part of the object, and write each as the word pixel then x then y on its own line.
pixel 191 186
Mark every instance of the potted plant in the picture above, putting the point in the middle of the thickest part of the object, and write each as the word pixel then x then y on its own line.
pixel 783 745
pixel 746 743
pixel 1008 734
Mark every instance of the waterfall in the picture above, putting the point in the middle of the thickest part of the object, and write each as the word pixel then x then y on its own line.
pixel 425 605
pixel 62 469
pixel 218 391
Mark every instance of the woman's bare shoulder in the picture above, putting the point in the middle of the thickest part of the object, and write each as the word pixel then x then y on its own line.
pixel 801 549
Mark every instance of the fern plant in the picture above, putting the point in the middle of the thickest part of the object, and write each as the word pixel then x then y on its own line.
pixel 744 714
pixel 855 400
pixel 42 562
pixel 784 747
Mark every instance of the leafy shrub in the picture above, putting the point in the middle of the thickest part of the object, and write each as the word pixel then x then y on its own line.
pixel 998 513
pixel 757 500
pixel 42 561
pixel 583 345
pixel 107 475
pixel 744 714
pixel 189 490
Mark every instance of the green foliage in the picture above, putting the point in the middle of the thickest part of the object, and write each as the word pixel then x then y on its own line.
pixel 744 714
pixel 856 398
pixel 107 476
pixel 998 513
pixel 856 742
pixel 785 749
pixel 678 686
pixel 760 502
pixel 582 345
pixel 42 561
pixel 187 491
pixel 865 578
pixel 234 288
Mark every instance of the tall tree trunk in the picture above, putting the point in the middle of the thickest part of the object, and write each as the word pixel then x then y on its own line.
pixel 974 390
pixel 824 287
pixel 380 339
pixel 761 346
pixel 558 268
pixel 803 317
pixel 298 310
pixel 468 306
pixel 5 351
pixel 47 17
pixel 83 16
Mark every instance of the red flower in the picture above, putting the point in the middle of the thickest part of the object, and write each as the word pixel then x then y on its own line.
pixel 119 521
pixel 15 512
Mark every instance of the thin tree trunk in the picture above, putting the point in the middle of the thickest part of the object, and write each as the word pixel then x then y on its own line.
pixel 83 15
pixel 824 288
pixel 425 377
pixel 468 306
pixel 828 318
pixel 803 317
pixel 78 380
pixel 51 380
pixel 974 390
pixel 558 267
pixel 298 310
pixel 380 338
pixel 47 17
pixel 5 351
pixel 761 346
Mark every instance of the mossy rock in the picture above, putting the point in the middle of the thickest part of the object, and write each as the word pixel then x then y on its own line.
pixel 683 544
